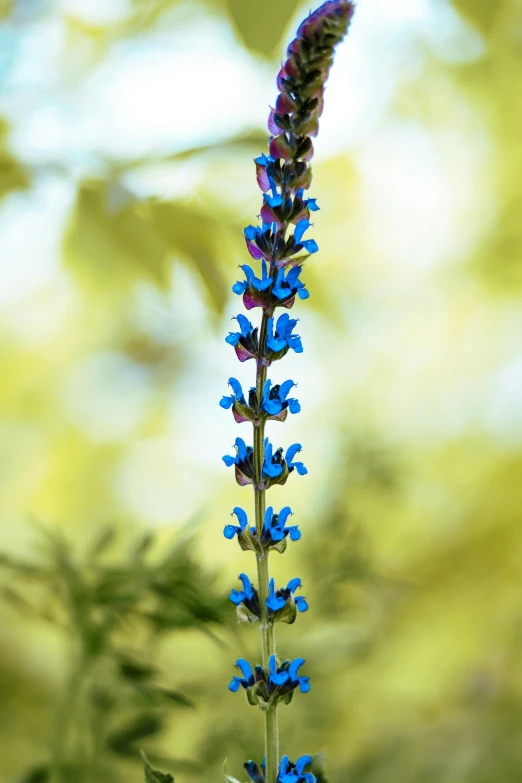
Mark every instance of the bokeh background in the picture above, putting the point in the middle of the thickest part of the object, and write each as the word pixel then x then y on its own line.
pixel 127 132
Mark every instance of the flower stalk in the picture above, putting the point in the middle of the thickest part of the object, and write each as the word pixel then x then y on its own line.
pixel 281 250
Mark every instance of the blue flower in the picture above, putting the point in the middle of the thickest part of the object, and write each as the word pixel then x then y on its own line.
pixel 259 242
pixel 245 341
pixel 282 340
pixel 275 400
pixel 260 284
pixel 295 773
pixel 290 454
pixel 231 530
pixel 241 454
pixel 272 465
pixel 243 462
pixel 284 599
pixel 309 244
pixel 247 680
pixel 274 602
pixel 286 677
pixel 289 287
pixel 246 594
pixel 227 402
pixel 275 528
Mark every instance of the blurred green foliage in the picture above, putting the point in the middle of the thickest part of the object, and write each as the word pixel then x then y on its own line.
pixel 113 611
pixel 112 361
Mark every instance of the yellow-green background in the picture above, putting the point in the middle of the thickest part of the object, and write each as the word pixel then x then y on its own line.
pixel 126 175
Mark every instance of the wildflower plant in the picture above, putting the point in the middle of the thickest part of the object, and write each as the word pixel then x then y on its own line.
pixel 279 247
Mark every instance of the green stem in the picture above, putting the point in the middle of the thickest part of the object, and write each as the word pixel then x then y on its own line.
pixel 263 575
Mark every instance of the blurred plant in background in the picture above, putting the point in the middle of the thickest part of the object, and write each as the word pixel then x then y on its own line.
pixel 113 613
pixel 125 186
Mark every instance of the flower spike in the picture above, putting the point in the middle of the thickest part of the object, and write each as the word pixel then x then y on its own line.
pixel 278 245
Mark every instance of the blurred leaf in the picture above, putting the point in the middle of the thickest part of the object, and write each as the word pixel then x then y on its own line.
pixel 111 238
pixel 153 775
pixel 13 175
pixel 122 740
pixel 104 538
pixel 197 237
pixel 317 768
pixel 135 671
pixel 481 13
pixel 262 26
pixel 177 697
pixel 40 774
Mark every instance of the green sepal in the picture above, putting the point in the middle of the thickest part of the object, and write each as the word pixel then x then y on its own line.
pixel 154 775
pixel 279 546
pixel 242 412
pixel 289 611
pixel 247 542
pixel 281 479
pixel 244 615
pixel 287 698
pixel 251 696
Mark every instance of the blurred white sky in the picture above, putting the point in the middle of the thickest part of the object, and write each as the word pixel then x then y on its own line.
pixel 192 82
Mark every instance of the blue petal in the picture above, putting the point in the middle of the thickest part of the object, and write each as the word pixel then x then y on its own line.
pixel 228 460
pixel 282 323
pixel 294 667
pixel 250 232
pixel 241 448
pixel 237 597
pixel 294 406
pixel 301 603
pixel 236 387
pixel 233 338
pixel 249 272
pixel 301 763
pixel 301 469
pixel 269 513
pixel 246 669
pixel 277 533
pixel 304 684
pixel 311 203
pixel 226 402
pixel 273 201
pixel 241 517
pixel 273 407
pixel 310 245
pixel 302 293
pixel 279 679
pixel 247 585
pixel 300 229
pixel 272 470
pixel 295 343
pixel 293 584
pixel 283 767
pixel 275 603
pixel 283 515
pixel 230 531
pixel 284 389
pixel 292 276
pixel 244 324
pixel 294 532
pixel 292 451
pixel 239 288
pixel 235 684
